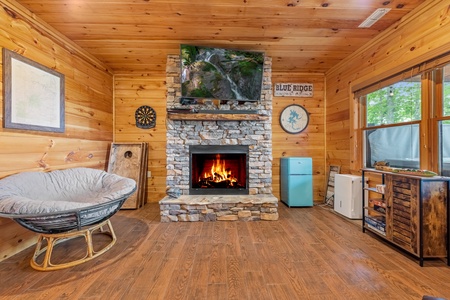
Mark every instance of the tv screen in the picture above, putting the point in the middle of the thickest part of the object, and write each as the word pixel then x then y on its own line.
pixel 224 74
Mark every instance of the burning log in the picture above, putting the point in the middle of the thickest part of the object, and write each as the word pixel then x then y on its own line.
pixel 218 177
pixel 224 184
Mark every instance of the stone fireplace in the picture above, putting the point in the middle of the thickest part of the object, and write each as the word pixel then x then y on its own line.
pixel 246 136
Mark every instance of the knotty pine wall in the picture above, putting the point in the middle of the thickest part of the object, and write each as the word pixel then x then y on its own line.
pixel 132 91
pixel 88 111
pixel 310 142
pixel 421 35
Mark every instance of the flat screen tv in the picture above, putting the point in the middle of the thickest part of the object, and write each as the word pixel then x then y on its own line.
pixel 218 73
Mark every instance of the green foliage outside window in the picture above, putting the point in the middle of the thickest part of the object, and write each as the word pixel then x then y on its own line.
pixel 447 98
pixel 446 85
pixel 400 102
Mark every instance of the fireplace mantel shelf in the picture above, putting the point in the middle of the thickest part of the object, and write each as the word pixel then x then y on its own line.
pixel 216 117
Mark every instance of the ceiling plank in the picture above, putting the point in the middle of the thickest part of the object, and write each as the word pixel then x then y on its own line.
pixel 300 35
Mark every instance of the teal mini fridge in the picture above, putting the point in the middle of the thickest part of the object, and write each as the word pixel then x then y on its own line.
pixel 296 181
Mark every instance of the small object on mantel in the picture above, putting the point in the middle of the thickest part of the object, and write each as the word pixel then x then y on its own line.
pixel 182 110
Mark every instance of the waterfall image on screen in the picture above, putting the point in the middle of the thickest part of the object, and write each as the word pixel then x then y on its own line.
pixel 216 73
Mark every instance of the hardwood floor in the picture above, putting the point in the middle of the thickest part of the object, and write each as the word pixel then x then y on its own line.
pixel 310 253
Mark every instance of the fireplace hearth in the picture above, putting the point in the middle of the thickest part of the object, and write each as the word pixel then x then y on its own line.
pixel 218 170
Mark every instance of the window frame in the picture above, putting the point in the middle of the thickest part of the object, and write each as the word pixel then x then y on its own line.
pixel 432 113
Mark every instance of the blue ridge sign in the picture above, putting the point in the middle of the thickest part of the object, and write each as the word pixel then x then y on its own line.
pixel 293 90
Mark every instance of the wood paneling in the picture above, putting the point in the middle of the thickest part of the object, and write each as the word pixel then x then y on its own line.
pixel 88 111
pixel 422 35
pixel 131 92
pixel 310 142
pixel 136 36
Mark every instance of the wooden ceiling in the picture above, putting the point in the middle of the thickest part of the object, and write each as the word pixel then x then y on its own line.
pixel 135 36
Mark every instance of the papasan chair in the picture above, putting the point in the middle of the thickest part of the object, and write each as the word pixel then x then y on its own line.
pixel 62 205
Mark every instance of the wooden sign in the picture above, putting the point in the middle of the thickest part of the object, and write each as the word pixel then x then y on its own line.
pixel 293 90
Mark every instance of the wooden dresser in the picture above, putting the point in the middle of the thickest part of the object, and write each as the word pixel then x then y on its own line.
pixel 411 212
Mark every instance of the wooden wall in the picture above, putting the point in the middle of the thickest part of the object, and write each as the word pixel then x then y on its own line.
pixel 421 35
pixel 88 111
pixel 132 91
pixel 310 142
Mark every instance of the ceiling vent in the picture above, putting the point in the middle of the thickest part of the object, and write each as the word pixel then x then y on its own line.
pixel 374 17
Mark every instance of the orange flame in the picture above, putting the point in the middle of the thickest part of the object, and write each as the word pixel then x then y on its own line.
pixel 219 171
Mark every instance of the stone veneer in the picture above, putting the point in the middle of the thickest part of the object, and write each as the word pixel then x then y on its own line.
pixel 219 208
pixel 182 133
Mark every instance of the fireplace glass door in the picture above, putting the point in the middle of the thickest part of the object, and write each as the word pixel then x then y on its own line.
pixel 219 170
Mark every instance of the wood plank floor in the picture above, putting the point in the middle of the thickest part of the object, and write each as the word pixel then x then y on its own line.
pixel 310 253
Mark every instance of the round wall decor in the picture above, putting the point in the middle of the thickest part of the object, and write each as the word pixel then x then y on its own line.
pixel 145 117
pixel 294 118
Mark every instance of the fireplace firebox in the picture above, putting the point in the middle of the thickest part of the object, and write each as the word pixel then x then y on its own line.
pixel 218 169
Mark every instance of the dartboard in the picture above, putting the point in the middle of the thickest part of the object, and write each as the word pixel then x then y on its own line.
pixel 145 117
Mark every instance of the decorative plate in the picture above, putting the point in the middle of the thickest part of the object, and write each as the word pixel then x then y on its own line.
pixel 294 118
pixel 145 117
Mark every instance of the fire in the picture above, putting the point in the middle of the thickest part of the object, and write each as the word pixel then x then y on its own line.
pixel 219 172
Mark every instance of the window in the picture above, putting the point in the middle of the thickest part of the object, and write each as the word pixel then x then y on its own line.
pixel 406 113
pixel 387 137
pixel 444 123
pixel 446 92
pixel 444 138
pixel 398 145
pixel 394 104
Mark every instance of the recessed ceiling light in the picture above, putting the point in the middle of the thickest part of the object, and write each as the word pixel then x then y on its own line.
pixel 374 17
